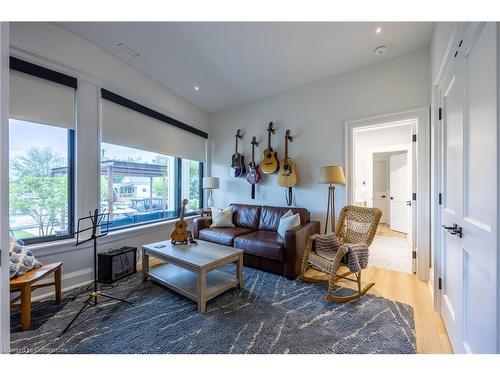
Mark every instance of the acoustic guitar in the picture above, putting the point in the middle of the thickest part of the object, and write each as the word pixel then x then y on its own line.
pixel 237 160
pixel 180 234
pixel 269 163
pixel 287 175
pixel 253 175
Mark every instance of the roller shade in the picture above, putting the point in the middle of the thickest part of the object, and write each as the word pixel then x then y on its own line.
pixel 127 127
pixel 41 101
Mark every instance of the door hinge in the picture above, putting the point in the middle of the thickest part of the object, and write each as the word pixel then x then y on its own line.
pixel 440 199
pixel 414 196
pixel 414 255
pixel 414 138
pixel 440 283
pixel 440 114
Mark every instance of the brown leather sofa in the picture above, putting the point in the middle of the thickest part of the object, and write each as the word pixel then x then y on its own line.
pixel 255 232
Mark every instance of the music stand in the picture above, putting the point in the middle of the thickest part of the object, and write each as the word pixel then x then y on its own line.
pixel 101 222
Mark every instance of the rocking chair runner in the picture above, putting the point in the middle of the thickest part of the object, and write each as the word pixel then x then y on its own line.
pixel 356 225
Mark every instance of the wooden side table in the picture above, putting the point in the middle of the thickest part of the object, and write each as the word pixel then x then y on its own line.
pixel 26 284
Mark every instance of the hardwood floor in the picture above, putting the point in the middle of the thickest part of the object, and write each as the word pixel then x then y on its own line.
pixel 404 287
pixel 384 230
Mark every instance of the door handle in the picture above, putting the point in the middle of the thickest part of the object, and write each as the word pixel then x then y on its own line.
pixel 392 198
pixel 454 230
pixel 408 203
pixel 450 228
pixel 383 196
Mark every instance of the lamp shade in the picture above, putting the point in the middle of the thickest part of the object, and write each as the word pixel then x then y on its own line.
pixel 210 182
pixel 332 174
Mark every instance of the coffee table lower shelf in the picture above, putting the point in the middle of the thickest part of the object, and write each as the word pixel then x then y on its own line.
pixel 186 282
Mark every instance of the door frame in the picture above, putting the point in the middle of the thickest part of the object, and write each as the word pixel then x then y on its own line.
pixel 4 193
pixel 421 117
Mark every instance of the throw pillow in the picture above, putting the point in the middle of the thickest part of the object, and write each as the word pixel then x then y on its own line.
pixel 326 245
pixel 21 259
pixel 222 218
pixel 288 221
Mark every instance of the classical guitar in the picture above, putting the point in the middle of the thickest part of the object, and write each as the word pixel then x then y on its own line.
pixel 238 160
pixel 287 175
pixel 253 175
pixel 269 163
pixel 180 234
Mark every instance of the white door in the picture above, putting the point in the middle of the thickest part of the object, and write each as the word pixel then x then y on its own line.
pixel 380 194
pixel 399 192
pixel 469 299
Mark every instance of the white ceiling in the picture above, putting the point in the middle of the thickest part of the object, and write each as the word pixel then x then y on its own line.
pixel 237 62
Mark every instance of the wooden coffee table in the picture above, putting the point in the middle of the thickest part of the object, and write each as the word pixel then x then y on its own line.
pixel 192 270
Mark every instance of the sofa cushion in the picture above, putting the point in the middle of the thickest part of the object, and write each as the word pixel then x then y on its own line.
pixel 265 244
pixel 222 236
pixel 246 215
pixel 270 216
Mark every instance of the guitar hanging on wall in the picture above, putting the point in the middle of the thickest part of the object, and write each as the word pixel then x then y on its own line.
pixel 287 175
pixel 253 175
pixel 269 163
pixel 238 160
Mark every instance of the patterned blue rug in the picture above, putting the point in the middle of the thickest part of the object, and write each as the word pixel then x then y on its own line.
pixel 270 315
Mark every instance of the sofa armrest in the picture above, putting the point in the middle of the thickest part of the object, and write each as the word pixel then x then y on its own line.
pixel 200 223
pixel 295 242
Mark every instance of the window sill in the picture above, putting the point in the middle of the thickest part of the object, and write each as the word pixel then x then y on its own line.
pixel 67 245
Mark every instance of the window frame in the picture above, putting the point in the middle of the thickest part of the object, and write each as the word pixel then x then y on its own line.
pixel 71 197
pixel 177 196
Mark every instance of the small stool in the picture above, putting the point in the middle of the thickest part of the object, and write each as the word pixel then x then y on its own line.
pixel 26 284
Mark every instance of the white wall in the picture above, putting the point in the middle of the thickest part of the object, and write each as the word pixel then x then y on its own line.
pixel 4 194
pixel 58 49
pixel 316 114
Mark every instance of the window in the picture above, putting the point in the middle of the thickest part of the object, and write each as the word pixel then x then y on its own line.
pixel 140 187
pixel 40 181
pixel 192 172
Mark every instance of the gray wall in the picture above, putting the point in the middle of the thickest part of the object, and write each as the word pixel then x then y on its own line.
pixel 316 114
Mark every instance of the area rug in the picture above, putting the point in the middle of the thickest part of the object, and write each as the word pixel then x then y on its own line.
pixel 391 252
pixel 270 315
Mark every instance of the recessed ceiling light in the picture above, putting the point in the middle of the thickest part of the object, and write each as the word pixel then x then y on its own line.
pixel 196 88
pixel 380 50
pixel 379 30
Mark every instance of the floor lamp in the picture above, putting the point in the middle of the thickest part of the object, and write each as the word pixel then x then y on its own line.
pixel 210 183
pixel 331 175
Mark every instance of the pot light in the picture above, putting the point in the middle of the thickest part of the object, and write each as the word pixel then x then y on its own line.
pixel 196 88
pixel 378 30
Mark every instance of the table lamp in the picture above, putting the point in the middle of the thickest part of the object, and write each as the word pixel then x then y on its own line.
pixel 331 174
pixel 210 183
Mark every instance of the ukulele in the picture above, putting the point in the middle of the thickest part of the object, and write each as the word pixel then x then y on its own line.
pixel 287 175
pixel 269 163
pixel 253 175
pixel 180 234
pixel 238 160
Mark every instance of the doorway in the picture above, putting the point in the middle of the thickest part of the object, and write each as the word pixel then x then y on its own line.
pixel 400 138
pixel 392 180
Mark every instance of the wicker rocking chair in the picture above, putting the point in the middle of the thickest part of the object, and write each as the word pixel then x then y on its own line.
pixel 356 225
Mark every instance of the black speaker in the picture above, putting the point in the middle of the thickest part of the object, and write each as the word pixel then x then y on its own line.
pixel 116 264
